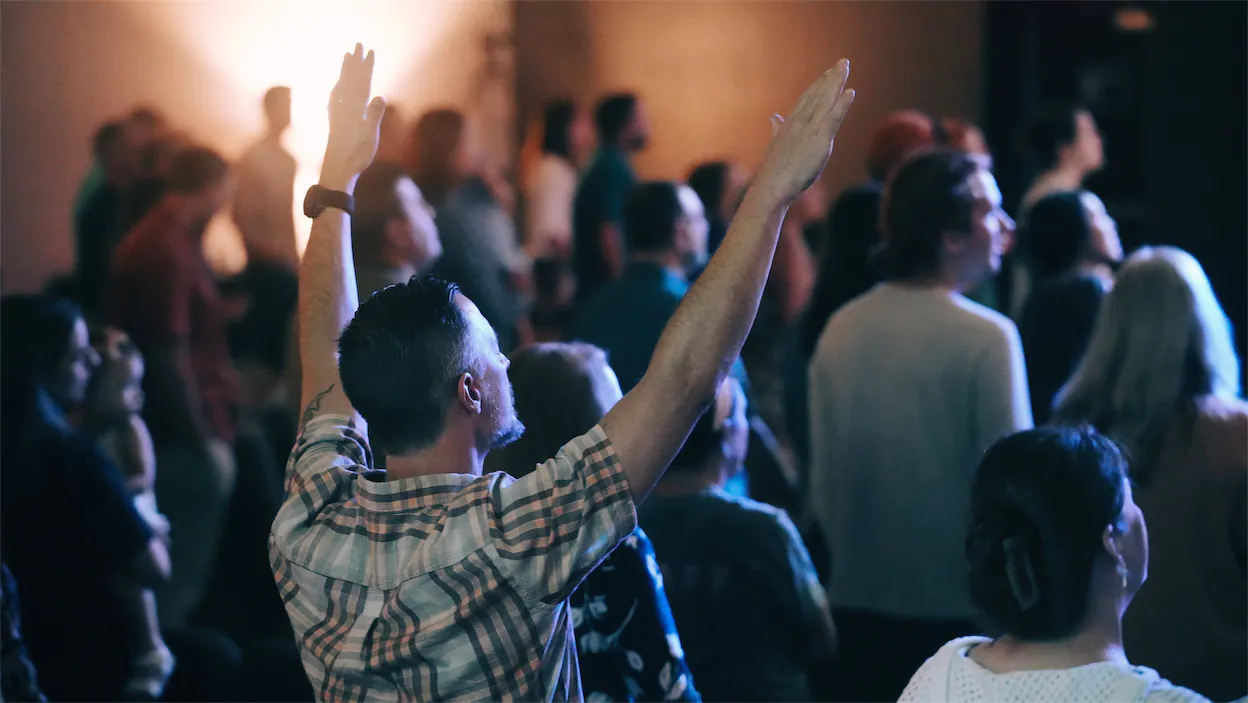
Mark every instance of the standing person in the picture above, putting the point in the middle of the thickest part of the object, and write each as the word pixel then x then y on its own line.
pixel 456 582
pixel 598 250
pixel 1069 244
pixel 719 184
pixel 627 644
pixel 909 384
pixel 1161 376
pixel 746 596
pixel 263 211
pixel 99 224
pixel 1067 148
pixel 551 186
pixel 480 251
pixel 1057 549
pixel 165 297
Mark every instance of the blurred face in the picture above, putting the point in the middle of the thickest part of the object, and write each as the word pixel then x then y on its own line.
pixel 581 136
pixel 1105 242
pixel 606 386
pixel 979 255
pixel 415 234
pixel 736 426
pixel 68 383
pixel 1087 151
pixel 638 132
pixel 118 393
pixel 692 230
pixel 738 180
pixel 278 112
pixel 490 387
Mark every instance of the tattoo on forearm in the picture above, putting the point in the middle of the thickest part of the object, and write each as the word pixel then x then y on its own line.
pixel 314 407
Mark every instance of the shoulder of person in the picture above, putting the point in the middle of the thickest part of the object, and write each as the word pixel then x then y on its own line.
pixel 1224 425
pixel 1160 690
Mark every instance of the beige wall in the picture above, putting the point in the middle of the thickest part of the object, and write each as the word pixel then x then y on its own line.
pixel 712 72
pixel 68 66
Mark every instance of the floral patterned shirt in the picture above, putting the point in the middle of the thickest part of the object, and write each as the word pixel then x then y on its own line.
pixel 626 637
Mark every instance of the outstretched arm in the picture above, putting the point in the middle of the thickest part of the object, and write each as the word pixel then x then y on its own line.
pixel 327 295
pixel 705 335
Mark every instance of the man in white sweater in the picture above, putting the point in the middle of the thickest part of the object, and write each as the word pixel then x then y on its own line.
pixel 909 385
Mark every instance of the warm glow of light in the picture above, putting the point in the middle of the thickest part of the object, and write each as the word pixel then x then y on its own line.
pixel 426 54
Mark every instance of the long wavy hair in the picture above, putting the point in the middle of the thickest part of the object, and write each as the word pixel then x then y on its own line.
pixel 1161 344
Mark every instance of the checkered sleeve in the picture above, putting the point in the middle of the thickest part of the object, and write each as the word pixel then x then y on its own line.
pixel 327 457
pixel 552 527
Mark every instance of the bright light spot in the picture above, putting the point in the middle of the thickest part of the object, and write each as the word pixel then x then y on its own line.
pixel 426 54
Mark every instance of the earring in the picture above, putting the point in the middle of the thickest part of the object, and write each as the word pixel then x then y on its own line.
pixel 1122 571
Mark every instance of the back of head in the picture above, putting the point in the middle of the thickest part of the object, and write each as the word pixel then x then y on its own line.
pixel 399 358
pixel 846 268
pixel 561 391
pixel 612 116
pixel 1161 342
pixel 709 436
pixel 557 128
pixel 376 202
pixel 1052 128
pixel 898 136
pixel 195 169
pixel 926 198
pixel 651 214
pixel 960 134
pixel 710 182
pixel 1056 235
pixel 277 105
pixel 108 139
pixel 434 159
pixel 1040 503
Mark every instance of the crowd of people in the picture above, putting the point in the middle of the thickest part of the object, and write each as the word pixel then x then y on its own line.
pixel 709 440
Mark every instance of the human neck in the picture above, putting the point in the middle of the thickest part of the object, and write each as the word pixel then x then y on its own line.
pixel 446 456
pixel 668 260
pixel 942 279
pixel 1098 641
pixel 1065 176
pixel 676 483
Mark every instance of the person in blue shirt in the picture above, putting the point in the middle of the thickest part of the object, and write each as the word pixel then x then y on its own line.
pixel 597 245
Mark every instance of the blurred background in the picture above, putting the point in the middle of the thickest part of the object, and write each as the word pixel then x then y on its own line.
pixel 1164 80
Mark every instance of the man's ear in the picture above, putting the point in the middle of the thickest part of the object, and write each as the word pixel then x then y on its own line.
pixel 954 242
pixel 469 392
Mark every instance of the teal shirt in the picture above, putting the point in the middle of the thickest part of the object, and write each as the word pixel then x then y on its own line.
pixel 627 316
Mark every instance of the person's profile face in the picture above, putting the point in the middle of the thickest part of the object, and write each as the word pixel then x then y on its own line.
pixel 68 384
pixel 693 231
pixel 580 136
pixel 1088 147
pixel 991 229
pixel 638 128
pixel 501 426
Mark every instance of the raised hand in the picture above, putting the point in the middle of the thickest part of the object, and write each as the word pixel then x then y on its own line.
pixel 354 122
pixel 802 143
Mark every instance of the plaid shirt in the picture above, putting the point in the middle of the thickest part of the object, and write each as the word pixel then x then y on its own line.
pixel 446 587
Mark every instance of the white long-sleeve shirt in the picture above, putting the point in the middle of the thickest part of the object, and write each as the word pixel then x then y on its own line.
pixel 908 387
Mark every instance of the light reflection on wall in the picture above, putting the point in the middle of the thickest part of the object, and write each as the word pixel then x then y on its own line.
pixel 427 53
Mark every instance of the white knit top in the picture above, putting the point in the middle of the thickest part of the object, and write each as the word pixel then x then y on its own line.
pixel 951 675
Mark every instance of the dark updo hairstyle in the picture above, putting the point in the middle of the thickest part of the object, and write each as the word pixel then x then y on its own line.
pixel 1040 503
pixel 1056 235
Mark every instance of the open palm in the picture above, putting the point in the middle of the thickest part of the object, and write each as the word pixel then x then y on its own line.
pixel 354 122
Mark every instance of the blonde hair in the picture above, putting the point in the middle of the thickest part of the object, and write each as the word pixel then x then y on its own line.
pixel 1161 343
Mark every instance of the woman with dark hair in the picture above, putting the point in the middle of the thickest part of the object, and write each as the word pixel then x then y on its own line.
pixel 83 573
pixel 719 184
pixel 550 186
pixel 1161 376
pixel 1068 244
pixel 627 644
pixel 1057 548
pixel 845 272
pixel 479 247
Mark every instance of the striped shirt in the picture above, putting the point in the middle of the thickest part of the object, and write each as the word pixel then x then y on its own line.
pixel 444 587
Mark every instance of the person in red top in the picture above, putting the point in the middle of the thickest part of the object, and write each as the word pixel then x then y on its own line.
pixel 164 295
